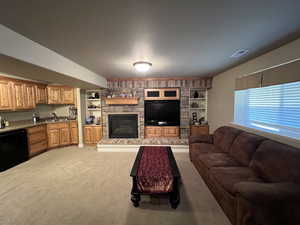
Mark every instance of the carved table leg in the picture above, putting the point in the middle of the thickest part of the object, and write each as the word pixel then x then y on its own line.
pixel 135 198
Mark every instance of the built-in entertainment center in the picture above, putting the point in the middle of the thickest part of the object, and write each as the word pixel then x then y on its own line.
pixel 162 112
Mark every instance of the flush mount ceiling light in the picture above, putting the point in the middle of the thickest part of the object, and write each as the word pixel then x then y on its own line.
pixel 239 53
pixel 142 66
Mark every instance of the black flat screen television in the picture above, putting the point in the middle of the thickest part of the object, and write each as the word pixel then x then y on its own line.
pixel 162 113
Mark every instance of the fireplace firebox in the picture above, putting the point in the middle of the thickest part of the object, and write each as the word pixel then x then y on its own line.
pixel 123 125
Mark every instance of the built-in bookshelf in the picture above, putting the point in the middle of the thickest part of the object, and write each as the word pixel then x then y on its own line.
pixel 197 105
pixel 93 105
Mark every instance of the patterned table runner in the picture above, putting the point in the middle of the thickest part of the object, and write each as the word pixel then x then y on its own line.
pixel 154 172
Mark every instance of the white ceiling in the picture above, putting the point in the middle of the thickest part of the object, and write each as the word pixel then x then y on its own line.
pixel 180 38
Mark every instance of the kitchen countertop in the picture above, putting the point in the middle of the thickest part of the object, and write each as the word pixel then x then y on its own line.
pixel 16 125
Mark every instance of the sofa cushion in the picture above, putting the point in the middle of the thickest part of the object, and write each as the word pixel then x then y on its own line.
pixel 227 177
pixel 244 146
pixel 217 159
pixel 224 137
pixel 201 148
pixel 277 162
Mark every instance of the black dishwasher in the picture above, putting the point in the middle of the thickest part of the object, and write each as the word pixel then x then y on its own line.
pixel 13 149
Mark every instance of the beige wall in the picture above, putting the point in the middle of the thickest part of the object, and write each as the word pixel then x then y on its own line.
pixel 221 96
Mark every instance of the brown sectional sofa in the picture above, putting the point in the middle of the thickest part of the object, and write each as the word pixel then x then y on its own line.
pixel 255 180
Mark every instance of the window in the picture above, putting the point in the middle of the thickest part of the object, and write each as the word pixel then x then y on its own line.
pixel 274 109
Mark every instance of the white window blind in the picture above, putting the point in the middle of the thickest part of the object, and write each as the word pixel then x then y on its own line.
pixel 274 108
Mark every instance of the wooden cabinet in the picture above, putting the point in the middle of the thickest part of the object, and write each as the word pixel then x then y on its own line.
pixel 18 94
pixel 41 94
pixel 92 134
pixel 60 95
pixel 153 131
pixel 54 95
pixel 29 96
pixel 161 131
pixel 37 140
pixel 65 136
pixel 172 131
pixel 196 130
pixel 53 138
pixel 67 94
pixel 74 132
pixel 23 95
pixel 5 95
pixel 58 134
pixel 162 94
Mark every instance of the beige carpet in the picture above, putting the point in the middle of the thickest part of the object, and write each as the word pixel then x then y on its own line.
pixel 72 186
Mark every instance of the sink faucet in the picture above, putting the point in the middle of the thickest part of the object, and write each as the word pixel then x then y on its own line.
pixel 54 116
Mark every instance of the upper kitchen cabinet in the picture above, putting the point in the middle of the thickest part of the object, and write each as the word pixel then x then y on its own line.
pixel 5 95
pixel 68 95
pixel 23 95
pixel 29 95
pixel 41 94
pixel 60 95
pixel 54 95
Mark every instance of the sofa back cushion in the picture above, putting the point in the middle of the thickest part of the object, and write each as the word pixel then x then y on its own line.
pixel 224 137
pixel 244 146
pixel 276 162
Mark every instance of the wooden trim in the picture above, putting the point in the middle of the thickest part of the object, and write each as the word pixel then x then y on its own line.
pixel 158 78
pixel 121 101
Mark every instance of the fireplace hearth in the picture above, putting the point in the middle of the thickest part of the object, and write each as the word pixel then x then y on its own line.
pixel 123 125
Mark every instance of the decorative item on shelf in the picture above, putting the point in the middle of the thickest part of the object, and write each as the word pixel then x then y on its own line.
pixel 202 95
pixel 196 94
pixel 90 120
pixel 98 121
pixel 201 120
pixel 97 96
pixel 194 105
pixel 194 117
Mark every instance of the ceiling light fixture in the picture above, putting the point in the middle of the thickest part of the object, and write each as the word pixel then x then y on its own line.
pixel 239 53
pixel 142 66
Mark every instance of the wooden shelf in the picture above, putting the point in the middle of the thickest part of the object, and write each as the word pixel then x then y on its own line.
pixel 122 101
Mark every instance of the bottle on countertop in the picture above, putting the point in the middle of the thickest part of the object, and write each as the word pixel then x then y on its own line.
pixel 2 123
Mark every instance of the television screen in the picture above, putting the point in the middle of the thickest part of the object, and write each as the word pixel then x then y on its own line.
pixel 162 113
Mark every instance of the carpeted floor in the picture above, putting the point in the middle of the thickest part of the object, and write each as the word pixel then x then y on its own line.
pixel 72 186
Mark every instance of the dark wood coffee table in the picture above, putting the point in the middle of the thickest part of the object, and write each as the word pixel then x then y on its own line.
pixel 155 172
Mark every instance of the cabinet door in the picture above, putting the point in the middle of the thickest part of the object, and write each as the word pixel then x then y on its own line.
pixel 170 94
pixel 19 95
pixel 97 134
pixel 67 95
pixel 53 138
pixel 29 96
pixel 152 132
pixel 199 130
pixel 41 94
pixel 171 131
pixel 65 136
pixel 5 95
pixel 74 135
pixel 88 135
pixel 54 95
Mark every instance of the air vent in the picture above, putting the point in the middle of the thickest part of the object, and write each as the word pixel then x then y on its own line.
pixel 239 53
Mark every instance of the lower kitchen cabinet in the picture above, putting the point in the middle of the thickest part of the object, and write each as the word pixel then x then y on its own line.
pixel 74 132
pixel 61 134
pixel 92 134
pixel 37 140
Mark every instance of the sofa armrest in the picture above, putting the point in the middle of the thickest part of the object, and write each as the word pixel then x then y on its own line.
pixel 201 139
pixel 268 193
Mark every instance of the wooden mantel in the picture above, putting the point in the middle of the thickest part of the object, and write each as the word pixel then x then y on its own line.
pixel 122 101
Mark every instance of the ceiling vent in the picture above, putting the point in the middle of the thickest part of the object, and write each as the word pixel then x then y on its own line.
pixel 239 53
